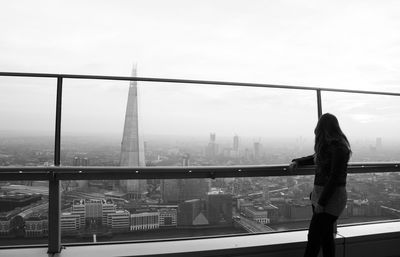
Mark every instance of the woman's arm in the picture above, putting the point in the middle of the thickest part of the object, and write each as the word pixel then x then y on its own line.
pixel 340 157
pixel 308 160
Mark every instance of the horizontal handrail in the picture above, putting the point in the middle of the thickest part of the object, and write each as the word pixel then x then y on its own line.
pixel 189 81
pixel 168 172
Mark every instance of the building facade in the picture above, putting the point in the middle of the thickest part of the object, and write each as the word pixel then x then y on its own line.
pixel 119 220
pixel 144 221
pixel 168 217
pixel 132 146
pixel 258 214
pixel 36 225
pixel 219 208
pixel 70 222
pixel 93 211
pixel 188 211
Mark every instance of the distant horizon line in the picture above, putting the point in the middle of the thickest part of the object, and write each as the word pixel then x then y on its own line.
pixel 205 137
pixel 98 134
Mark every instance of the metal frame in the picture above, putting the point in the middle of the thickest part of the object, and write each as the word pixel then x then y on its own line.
pixel 57 173
pixel 319 103
pixel 54 181
pixel 116 173
pixel 189 81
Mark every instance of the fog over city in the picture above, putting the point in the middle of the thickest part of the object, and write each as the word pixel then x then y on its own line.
pixel 341 44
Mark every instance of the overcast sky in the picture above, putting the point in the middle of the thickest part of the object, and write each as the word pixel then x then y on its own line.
pixel 339 44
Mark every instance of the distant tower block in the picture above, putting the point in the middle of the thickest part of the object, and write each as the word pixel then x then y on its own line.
pixel 132 147
pixel 257 150
pixel 378 143
pixel 212 147
pixel 235 143
pixel 186 159
pixel 212 137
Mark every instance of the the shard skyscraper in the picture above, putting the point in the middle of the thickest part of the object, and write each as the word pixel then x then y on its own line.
pixel 132 146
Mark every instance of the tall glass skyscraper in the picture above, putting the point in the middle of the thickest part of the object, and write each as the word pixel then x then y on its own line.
pixel 132 146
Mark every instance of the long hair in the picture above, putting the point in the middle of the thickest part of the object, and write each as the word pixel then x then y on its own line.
pixel 327 132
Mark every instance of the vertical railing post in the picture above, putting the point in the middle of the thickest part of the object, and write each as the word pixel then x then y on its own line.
pixel 319 103
pixel 54 184
pixel 54 214
pixel 57 145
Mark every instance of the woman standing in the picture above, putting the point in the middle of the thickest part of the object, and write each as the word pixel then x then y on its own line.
pixel 329 197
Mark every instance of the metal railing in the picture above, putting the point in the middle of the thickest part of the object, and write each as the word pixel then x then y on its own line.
pixel 57 173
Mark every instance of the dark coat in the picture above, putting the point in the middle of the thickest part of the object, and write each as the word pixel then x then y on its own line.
pixel 331 172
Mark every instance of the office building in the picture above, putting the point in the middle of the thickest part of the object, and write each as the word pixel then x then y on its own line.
pixel 219 208
pixel 80 161
pixel 93 211
pixel 188 211
pixel 172 190
pixel 300 211
pixel 36 225
pixel 257 150
pixel 119 220
pixel 132 146
pixel 186 160
pixel 78 208
pixel 212 147
pixel 168 217
pixel 235 143
pixel 144 221
pixel 6 223
pixel 257 213
pixel 70 222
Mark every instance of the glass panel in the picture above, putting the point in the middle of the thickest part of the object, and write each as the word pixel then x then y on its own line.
pixel 178 208
pixel 371 123
pixel 27 114
pixel 204 125
pixel 169 124
pixel 372 197
pixel 23 212
pixel 173 125
pixel 93 121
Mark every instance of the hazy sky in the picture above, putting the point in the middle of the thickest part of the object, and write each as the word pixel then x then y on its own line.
pixel 341 44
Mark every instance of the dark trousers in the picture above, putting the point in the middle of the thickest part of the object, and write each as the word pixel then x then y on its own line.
pixel 320 234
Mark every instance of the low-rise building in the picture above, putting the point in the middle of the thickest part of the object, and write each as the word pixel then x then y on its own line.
pixel 258 214
pixel 300 211
pixel 78 208
pixel 6 224
pixel 119 220
pixel 36 225
pixel 145 221
pixel 70 222
pixel 93 210
pixel 168 217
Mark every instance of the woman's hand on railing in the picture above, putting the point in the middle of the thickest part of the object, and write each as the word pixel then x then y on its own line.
pixel 293 166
